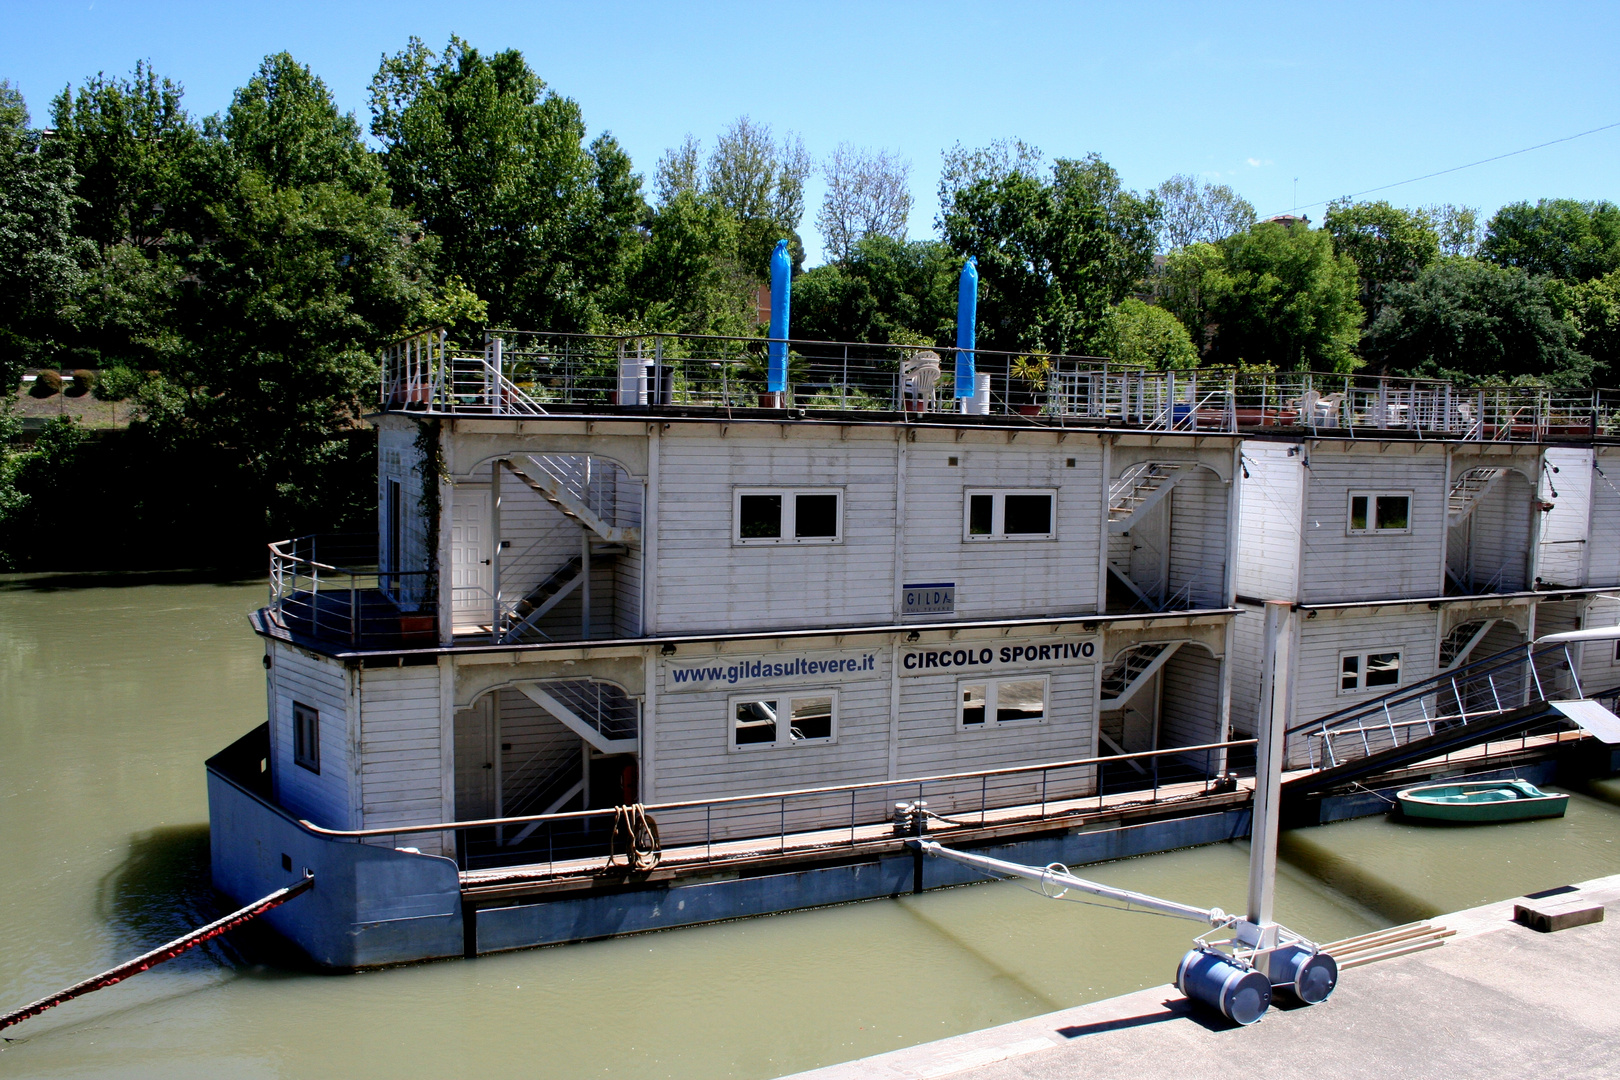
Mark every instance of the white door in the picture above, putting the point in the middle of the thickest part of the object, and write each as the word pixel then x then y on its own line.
pixel 1150 549
pixel 470 575
pixel 476 761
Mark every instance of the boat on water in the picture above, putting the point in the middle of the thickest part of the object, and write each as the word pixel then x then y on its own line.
pixel 1481 800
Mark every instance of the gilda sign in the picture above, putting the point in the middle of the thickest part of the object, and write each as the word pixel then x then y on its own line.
pixel 978 656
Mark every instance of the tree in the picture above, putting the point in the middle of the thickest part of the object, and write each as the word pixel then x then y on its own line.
pixel 1561 238
pixel 1388 244
pixel 39 254
pixel 1199 212
pixel 1054 254
pixel 867 195
pixel 686 277
pixel 1277 294
pixel 495 165
pixel 1140 333
pixel 1457 227
pixel 887 290
pixel 1473 321
pixel 761 183
pixel 1596 308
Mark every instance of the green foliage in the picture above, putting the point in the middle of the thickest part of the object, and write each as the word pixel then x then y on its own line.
pixel 493 164
pixel 39 253
pixel 686 277
pixel 84 381
pixel 1470 320
pixel 1198 212
pixel 1276 294
pixel 47 383
pixel 1054 254
pixel 887 291
pixel 32 494
pixel 1388 244
pixel 1561 238
pixel 1596 308
pixel 1140 333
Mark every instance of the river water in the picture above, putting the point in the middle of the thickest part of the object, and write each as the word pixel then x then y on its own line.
pixel 114 690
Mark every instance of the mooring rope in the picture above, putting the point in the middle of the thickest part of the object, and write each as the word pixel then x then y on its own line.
pixel 161 953
pixel 642 848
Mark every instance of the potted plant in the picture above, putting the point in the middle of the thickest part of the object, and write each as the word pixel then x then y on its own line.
pixel 1027 377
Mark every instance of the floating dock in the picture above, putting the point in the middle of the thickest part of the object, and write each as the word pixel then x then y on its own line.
pixel 1494 999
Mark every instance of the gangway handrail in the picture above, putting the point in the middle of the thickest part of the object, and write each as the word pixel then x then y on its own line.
pixel 1518 654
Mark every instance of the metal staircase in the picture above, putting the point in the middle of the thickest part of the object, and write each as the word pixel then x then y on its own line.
pixel 598 712
pixel 526 613
pixel 565 481
pixel 1139 489
pixel 1131 670
pixel 1468 490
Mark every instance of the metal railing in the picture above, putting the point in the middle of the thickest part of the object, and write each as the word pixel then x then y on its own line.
pixel 1490 687
pixel 329 587
pixel 524 373
pixel 725 829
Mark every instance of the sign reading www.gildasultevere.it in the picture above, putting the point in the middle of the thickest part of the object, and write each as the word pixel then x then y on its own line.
pixel 781 669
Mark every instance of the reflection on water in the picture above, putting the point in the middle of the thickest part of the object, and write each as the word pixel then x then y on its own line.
pixel 114 691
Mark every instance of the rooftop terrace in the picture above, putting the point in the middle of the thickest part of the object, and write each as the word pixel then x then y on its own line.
pixel 526 374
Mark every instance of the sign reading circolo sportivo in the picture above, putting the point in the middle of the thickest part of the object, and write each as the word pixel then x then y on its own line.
pixel 969 656
pixel 776 669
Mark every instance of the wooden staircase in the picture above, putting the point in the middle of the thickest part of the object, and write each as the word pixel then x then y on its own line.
pixel 1131 670
pixel 1468 490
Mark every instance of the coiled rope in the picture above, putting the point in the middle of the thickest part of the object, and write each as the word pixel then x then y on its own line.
pixel 641 846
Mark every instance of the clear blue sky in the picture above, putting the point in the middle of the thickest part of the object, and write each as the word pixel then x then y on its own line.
pixel 1342 96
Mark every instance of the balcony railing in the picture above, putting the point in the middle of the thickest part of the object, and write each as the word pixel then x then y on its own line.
pixel 330 588
pixel 520 373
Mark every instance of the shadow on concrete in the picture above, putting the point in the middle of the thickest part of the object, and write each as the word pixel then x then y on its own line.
pixel 1173 1009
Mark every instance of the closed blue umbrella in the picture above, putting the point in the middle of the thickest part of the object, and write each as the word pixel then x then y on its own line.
pixel 967 314
pixel 781 290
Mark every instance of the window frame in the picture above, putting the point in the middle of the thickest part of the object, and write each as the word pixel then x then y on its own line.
pixel 784 732
pixel 306 749
pixel 1361 656
pixel 1372 495
pixel 789 522
pixel 998 515
pixel 992 684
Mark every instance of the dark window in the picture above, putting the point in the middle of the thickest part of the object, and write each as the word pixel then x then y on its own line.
pixel 1350 673
pixel 1028 514
pixel 1024 699
pixel 395 530
pixel 1384 669
pixel 761 517
pixel 1393 511
pixel 812 718
pixel 981 511
pixel 306 737
pixel 755 722
pixel 813 515
pixel 973 704
pixel 1358 512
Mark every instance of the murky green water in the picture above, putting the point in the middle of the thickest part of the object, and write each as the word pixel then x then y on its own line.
pixel 113 693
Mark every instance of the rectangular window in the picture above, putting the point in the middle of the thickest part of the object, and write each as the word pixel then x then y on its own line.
pixel 809 716
pixel 1369 671
pixel 1010 515
pixel 1379 512
pixel 778 516
pixel 991 702
pixel 396 532
pixel 306 737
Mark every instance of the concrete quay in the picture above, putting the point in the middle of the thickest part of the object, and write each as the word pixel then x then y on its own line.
pixel 1497 1000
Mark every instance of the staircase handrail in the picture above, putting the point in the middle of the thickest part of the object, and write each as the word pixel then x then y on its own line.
pixel 1518 654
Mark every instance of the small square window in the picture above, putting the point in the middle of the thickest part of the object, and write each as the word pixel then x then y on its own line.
pixel 783 516
pixel 1380 670
pixel 1005 701
pixel 1010 515
pixel 1376 512
pixel 759 517
pixel 781 720
pixel 952 461
pixel 306 737
pixel 1069 464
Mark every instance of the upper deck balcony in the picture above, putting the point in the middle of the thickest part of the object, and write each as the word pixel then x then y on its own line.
pixel 523 374
pixel 331 590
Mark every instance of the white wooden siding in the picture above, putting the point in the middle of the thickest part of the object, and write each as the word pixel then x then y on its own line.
pixel 1248 645
pixel 1599 669
pixel 1198 538
pixel 1270 516
pixel 1190 706
pixel 1604 563
pixel 1324 638
pixel 1006 578
pixel 533 745
pixel 1499 536
pixel 400 753
pixel 1340 568
pixel 325 797
pixel 1563 539
pixel 707 583
pixel 932 743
